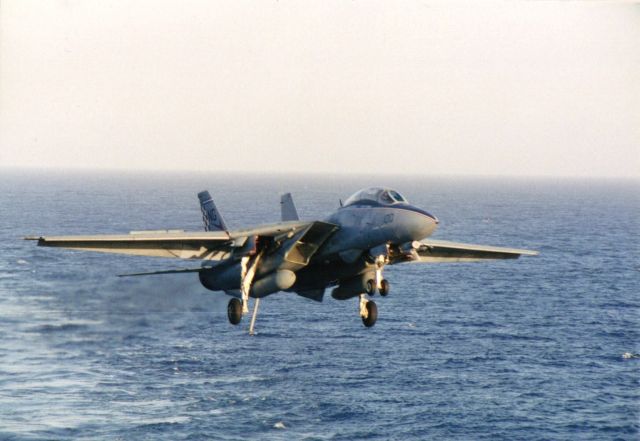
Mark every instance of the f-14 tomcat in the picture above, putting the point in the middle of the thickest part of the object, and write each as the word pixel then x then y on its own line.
pixel 348 251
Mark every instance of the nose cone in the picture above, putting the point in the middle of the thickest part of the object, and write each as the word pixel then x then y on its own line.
pixel 419 224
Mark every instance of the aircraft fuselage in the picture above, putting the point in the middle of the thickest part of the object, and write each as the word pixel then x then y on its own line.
pixel 365 229
pixel 366 226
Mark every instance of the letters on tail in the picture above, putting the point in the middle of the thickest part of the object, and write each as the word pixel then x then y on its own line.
pixel 211 217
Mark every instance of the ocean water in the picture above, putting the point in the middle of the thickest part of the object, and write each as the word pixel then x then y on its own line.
pixel 516 350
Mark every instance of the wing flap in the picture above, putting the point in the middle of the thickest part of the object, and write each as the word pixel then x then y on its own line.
pixel 447 251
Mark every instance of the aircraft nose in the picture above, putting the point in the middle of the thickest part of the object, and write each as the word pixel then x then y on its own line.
pixel 421 223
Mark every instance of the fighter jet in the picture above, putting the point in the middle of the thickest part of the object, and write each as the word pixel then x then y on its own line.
pixel 347 251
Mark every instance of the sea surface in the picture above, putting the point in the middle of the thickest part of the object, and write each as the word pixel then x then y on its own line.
pixel 527 349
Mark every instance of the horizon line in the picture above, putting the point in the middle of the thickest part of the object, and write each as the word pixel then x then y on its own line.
pixel 316 173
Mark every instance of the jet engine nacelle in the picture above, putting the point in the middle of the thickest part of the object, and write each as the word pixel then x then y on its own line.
pixel 221 278
pixel 228 278
pixel 354 287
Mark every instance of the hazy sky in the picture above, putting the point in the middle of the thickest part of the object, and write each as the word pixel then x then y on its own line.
pixel 536 88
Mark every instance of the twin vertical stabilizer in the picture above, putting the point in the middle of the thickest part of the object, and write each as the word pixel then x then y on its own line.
pixel 288 208
pixel 211 217
pixel 213 220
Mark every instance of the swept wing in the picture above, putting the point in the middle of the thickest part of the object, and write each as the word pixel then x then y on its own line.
pixel 434 251
pixel 208 245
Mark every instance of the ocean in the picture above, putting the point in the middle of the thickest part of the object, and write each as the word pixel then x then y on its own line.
pixel 526 349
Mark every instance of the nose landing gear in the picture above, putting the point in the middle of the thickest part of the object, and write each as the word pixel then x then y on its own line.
pixel 368 308
pixel 382 284
pixel 384 287
pixel 370 287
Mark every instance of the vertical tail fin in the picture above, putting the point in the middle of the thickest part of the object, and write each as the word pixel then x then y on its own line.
pixel 288 208
pixel 212 219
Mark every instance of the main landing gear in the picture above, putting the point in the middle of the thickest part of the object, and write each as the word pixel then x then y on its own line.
pixel 238 307
pixel 234 311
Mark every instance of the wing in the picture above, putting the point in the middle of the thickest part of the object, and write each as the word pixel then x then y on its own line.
pixel 208 245
pixel 181 245
pixel 431 251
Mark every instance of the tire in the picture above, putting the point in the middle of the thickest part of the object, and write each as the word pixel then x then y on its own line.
pixel 372 316
pixel 385 286
pixel 370 287
pixel 234 311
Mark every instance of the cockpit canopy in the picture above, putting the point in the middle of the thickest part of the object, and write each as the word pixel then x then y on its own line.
pixel 376 195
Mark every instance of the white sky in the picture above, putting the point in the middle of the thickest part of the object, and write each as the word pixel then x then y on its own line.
pixel 424 88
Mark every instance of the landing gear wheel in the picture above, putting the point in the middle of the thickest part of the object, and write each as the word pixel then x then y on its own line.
pixel 370 287
pixel 234 311
pixel 384 287
pixel 372 314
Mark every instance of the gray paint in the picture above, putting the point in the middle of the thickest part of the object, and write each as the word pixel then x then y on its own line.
pixel 303 257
